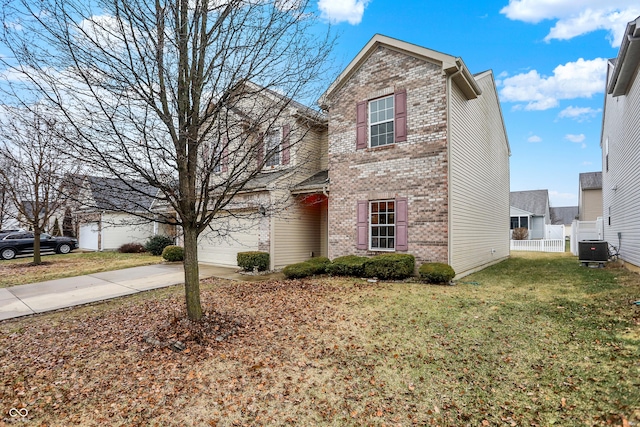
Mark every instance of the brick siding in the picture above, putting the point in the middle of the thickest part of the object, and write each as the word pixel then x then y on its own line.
pixel 416 169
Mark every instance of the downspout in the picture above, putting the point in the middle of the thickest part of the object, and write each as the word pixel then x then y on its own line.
pixel 449 216
pixel 100 244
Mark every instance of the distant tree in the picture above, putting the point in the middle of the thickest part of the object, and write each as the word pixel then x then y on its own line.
pixel 67 224
pixel 161 92
pixel 34 167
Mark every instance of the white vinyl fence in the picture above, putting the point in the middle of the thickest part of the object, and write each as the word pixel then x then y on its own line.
pixel 586 230
pixel 546 245
pixel 553 232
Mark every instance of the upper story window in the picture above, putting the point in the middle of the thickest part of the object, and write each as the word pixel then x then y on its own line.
pixel 272 147
pixel 381 121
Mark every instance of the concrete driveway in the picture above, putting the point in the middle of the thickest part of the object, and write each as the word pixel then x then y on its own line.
pixel 33 298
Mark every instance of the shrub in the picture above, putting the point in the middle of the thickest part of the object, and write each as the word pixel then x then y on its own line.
pixel 520 233
pixel 131 248
pixel 248 260
pixel 173 253
pixel 436 272
pixel 308 268
pixel 157 243
pixel 390 266
pixel 349 265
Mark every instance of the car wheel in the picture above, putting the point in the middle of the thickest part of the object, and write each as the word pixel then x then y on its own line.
pixel 8 253
pixel 64 248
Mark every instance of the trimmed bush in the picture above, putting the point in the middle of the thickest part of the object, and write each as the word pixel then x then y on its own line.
pixel 156 244
pixel 520 233
pixel 390 266
pixel 248 260
pixel 317 265
pixel 436 272
pixel 349 265
pixel 131 248
pixel 173 253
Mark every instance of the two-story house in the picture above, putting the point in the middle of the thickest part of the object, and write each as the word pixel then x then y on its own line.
pixel 590 196
pixel 418 158
pixel 620 143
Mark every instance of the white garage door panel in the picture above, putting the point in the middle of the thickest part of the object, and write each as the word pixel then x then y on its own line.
pixel 224 250
pixel 88 238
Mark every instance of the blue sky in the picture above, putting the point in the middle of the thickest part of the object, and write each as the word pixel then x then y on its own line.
pixel 548 57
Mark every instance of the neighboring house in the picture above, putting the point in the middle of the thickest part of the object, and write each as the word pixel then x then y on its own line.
pixel 418 158
pixel 56 214
pixel 564 215
pixel 283 210
pixel 530 210
pixel 620 143
pixel 590 196
pixel 105 210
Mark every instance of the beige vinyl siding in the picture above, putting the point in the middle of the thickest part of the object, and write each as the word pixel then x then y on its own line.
pixel 298 232
pixel 591 205
pixel 120 228
pixel 621 126
pixel 479 180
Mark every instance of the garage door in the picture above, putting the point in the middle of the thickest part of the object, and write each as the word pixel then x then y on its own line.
pixel 88 238
pixel 242 237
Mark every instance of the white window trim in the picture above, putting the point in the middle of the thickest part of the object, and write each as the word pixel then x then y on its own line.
pixel 370 226
pixel 369 124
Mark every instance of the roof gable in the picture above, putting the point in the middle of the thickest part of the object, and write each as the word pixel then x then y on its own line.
pixel 534 201
pixel 591 181
pixel 452 66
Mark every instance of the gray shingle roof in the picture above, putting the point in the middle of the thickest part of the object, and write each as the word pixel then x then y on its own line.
pixel 591 180
pixel 563 215
pixel 316 182
pixel 112 194
pixel 534 201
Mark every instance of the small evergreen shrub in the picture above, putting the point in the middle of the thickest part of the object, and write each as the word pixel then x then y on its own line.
pixel 390 266
pixel 248 260
pixel 308 268
pixel 436 272
pixel 131 248
pixel 157 243
pixel 349 265
pixel 173 253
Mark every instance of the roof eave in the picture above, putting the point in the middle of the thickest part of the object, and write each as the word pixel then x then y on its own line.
pixel 627 60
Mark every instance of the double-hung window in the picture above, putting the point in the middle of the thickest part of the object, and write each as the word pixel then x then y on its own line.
pixel 272 146
pixel 382 225
pixel 381 121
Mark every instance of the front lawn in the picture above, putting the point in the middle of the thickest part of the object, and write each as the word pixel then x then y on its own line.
pixel 534 341
pixel 20 271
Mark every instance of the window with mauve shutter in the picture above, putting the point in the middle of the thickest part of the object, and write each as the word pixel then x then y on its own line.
pixel 362 224
pixel 260 148
pixel 402 219
pixel 286 156
pixel 382 121
pixel 361 125
pixel 401 115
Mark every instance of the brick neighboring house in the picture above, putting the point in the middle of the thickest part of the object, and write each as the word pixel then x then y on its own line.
pixel 418 158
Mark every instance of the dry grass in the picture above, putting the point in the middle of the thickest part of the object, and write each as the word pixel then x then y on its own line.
pixel 21 271
pixel 536 340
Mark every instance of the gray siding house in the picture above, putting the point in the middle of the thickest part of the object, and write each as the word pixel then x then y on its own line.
pixel 620 143
pixel 530 209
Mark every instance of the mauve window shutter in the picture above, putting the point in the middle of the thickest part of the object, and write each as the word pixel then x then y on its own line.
pixel 361 125
pixel 225 154
pixel 402 219
pixel 285 144
pixel 401 115
pixel 260 153
pixel 362 224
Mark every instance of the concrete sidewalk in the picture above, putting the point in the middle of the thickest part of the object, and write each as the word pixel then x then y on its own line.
pixel 23 300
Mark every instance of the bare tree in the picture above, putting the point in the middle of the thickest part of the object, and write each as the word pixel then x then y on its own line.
pixel 167 91
pixel 33 169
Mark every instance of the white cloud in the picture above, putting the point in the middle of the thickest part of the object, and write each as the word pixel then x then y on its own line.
pixel 578 139
pixel 336 11
pixel 580 114
pixel 580 79
pixel 587 163
pixel 575 18
pixel 534 138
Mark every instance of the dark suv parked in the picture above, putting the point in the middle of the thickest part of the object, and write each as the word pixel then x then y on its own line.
pixel 21 242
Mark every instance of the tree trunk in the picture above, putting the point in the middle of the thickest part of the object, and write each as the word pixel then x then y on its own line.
pixel 37 258
pixel 191 274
